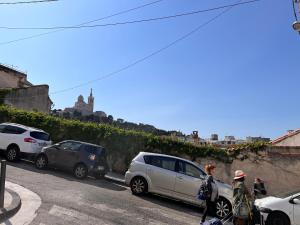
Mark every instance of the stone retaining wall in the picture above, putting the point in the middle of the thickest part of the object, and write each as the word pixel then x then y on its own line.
pixel 280 171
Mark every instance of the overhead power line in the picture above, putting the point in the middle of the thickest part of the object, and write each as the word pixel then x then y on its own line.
pixel 185 36
pixel 84 23
pixel 130 22
pixel 294 9
pixel 27 2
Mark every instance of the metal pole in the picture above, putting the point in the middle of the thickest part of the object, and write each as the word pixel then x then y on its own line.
pixel 2 182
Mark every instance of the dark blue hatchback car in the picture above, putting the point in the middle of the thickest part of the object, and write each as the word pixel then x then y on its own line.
pixel 81 158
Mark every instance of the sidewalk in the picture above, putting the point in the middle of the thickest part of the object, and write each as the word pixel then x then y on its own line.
pixel 29 204
pixel 12 204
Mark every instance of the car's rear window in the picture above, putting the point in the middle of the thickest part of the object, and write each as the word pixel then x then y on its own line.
pixel 94 150
pixel 40 135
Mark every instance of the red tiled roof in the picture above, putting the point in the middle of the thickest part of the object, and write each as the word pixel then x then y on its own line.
pixel 290 134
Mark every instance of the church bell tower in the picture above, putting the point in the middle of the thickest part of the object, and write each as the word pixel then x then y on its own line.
pixel 91 101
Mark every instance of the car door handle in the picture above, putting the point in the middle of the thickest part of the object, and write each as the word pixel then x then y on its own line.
pixel 180 178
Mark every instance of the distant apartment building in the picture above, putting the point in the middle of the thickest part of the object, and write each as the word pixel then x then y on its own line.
pixel 214 140
pixel 257 139
pixel 227 141
pixel 229 138
pixel 214 137
pixel 18 92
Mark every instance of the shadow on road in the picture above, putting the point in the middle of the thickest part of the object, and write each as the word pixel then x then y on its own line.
pixel 101 183
pixel 173 204
pixel 109 185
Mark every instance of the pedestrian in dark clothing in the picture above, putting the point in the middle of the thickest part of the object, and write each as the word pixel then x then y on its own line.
pixel 212 193
pixel 259 188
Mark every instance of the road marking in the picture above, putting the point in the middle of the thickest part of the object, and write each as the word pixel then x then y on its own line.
pixel 30 204
pixel 123 213
pixel 75 216
pixel 177 216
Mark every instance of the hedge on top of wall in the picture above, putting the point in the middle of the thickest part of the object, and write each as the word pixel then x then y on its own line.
pixel 122 145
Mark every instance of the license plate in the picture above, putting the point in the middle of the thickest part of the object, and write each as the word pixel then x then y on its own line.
pixel 42 144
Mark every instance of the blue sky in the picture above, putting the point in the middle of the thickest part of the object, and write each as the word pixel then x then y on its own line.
pixel 237 76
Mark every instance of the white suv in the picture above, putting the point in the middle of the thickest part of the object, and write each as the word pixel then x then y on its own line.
pixel 173 177
pixel 19 140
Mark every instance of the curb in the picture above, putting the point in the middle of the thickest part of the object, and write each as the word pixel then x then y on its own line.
pixel 13 208
pixel 115 179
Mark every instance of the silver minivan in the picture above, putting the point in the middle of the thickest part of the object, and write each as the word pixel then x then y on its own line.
pixel 173 177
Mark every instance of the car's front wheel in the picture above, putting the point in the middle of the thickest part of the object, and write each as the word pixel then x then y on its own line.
pixel 80 171
pixel 278 219
pixel 138 186
pixel 41 162
pixel 223 208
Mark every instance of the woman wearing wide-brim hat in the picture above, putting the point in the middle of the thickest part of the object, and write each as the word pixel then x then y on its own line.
pixel 241 200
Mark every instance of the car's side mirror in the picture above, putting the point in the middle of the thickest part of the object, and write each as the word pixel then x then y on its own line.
pixel 202 177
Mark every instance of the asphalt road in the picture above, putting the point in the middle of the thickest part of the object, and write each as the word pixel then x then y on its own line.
pixel 66 200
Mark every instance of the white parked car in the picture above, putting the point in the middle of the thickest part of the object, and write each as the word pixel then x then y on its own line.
pixel 173 177
pixel 281 210
pixel 19 140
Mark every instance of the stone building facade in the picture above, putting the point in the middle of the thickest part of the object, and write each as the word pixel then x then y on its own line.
pixel 33 98
pixel 18 92
pixel 82 107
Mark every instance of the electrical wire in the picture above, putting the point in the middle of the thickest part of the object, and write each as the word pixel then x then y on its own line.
pixel 295 13
pixel 185 36
pixel 27 2
pixel 130 22
pixel 84 23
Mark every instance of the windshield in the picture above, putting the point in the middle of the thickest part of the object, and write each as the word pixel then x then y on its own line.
pixel 287 194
